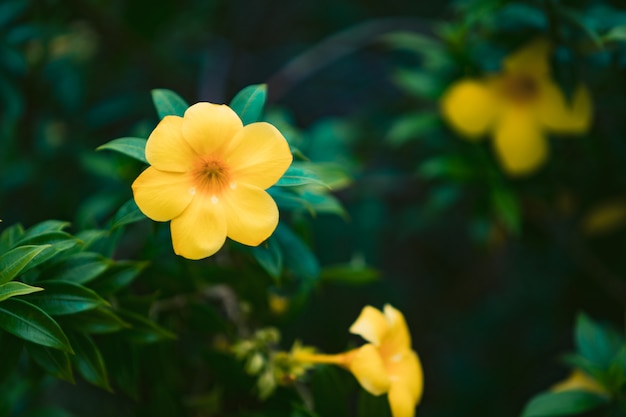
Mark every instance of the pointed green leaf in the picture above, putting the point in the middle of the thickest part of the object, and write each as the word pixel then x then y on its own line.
pixel 249 103
pixel 298 257
pixel 13 288
pixel 168 103
pixel 117 276
pixel 128 213
pixel 79 268
pixel 44 227
pixel 144 330
pixel 88 361
pixel 31 323
pixel 53 361
pixel 133 147
pixel 562 403
pixel 15 260
pixel 10 236
pixel 97 321
pixel 65 297
pixel 298 175
pixel 269 256
pixel 596 343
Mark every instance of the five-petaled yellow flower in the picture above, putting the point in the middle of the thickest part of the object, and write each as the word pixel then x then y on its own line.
pixel 386 364
pixel 208 175
pixel 517 106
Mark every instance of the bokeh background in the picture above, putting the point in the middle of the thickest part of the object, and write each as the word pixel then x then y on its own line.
pixel 490 271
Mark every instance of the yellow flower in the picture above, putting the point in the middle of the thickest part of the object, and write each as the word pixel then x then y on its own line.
pixel 579 381
pixel 208 175
pixel 517 106
pixel 386 364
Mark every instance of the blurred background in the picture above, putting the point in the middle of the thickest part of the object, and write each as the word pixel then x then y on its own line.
pixel 490 271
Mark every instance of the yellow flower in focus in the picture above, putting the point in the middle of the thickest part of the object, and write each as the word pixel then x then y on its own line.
pixel 579 381
pixel 386 364
pixel 208 175
pixel 518 106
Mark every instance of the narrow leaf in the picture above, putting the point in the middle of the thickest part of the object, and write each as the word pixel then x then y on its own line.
pixel 144 330
pixel 64 297
pixel 13 288
pixel 31 323
pixel 117 276
pixel 89 361
pixel 97 321
pixel 10 236
pixel 249 102
pixel 133 147
pixel 128 213
pixel 298 257
pixel 270 257
pixel 15 260
pixel 596 343
pixel 297 175
pixel 562 403
pixel 55 362
pixel 168 103
pixel 79 268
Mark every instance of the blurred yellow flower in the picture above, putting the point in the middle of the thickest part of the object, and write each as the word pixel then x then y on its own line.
pixel 579 381
pixel 208 175
pixel 517 106
pixel 386 364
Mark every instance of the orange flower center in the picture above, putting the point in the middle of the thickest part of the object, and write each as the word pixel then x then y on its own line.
pixel 519 88
pixel 210 175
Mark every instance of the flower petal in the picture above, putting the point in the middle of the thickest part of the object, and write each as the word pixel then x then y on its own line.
pixel 200 230
pixel 530 59
pixel 371 325
pixel 259 155
pixel 398 338
pixel 470 107
pixel 368 368
pixel 519 141
pixel 406 375
pixel 166 148
pixel 251 214
pixel 556 114
pixel 208 127
pixel 162 195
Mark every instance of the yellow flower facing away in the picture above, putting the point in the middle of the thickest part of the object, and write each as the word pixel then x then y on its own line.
pixel 518 106
pixel 386 364
pixel 208 174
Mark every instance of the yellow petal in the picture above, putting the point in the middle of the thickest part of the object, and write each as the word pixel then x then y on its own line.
pixel 558 115
pixel 258 155
pixel 406 375
pixel 470 107
pixel 251 214
pixel 398 337
pixel 530 59
pixel 200 230
pixel 578 380
pixel 368 368
pixel 208 127
pixel 166 148
pixel 162 195
pixel 519 141
pixel 371 325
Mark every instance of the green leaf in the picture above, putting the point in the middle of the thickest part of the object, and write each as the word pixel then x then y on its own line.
pixel 65 297
pixel 79 268
pixel 117 276
pixel 144 330
pixel 55 362
pixel 270 257
pixel 506 208
pixel 286 199
pixel 128 213
pixel 447 167
pixel 323 203
pixel 44 227
pixel 97 321
pixel 596 343
pixel 133 147
pixel 89 362
pixel 249 102
pixel 15 260
pixel 168 103
pixel 298 257
pixel 31 323
pixel 10 236
pixel 353 273
pixel 298 175
pixel 562 403
pixel 412 126
pixel 11 289
pixel 616 34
